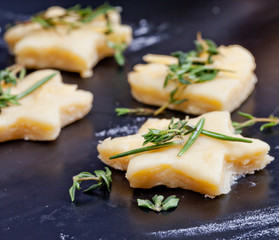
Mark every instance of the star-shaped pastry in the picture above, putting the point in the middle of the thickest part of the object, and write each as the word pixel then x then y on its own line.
pixel 75 50
pixel 210 166
pixel 227 91
pixel 42 114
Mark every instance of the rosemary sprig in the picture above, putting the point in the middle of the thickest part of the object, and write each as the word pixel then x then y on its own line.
pixel 103 179
pixel 191 69
pixel 35 86
pixel 118 54
pixel 162 138
pixel 271 121
pixel 158 203
pixel 9 75
pixel 137 111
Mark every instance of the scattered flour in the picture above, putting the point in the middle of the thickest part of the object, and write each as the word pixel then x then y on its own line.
pixel 147 34
pixel 255 224
pixel 122 130
pixel 116 131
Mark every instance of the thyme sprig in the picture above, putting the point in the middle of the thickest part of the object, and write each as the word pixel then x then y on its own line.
pixel 159 203
pixel 103 179
pixel 11 75
pixel 176 130
pixel 271 121
pixel 191 68
pixel 75 16
pixel 118 53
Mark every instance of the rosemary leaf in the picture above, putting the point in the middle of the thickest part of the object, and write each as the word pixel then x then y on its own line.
pixel 193 137
pixel 145 149
pixel 137 111
pixel 225 137
pixel 34 86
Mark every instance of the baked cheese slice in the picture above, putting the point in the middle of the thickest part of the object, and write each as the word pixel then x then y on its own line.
pixel 76 50
pixel 224 93
pixel 42 113
pixel 209 167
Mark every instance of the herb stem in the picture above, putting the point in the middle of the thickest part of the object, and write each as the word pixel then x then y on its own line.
pixel 85 178
pixel 137 111
pixel 178 93
pixel 34 86
pixel 145 149
pixel 161 109
pixel 255 120
pixel 193 137
pixel 271 121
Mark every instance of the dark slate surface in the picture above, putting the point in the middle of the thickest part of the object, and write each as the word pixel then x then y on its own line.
pixel 35 176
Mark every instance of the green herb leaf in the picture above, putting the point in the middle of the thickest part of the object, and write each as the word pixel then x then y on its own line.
pixel 103 178
pixel 158 203
pixel 145 203
pixel 191 69
pixel 246 115
pixel 193 137
pixel 35 86
pixel 268 125
pixel 44 22
pixel 8 76
pixel 137 111
pixel 118 54
pixel 145 149
pixel 170 202
pixel 81 16
pixel 271 121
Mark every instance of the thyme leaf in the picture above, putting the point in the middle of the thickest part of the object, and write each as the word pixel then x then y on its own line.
pixel 159 203
pixel 103 179
pixel 176 130
pixel 271 121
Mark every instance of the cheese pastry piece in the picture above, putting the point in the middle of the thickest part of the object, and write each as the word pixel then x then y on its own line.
pixel 42 114
pixel 224 93
pixel 75 50
pixel 209 167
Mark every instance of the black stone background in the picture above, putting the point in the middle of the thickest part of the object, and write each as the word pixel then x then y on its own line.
pixel 35 176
